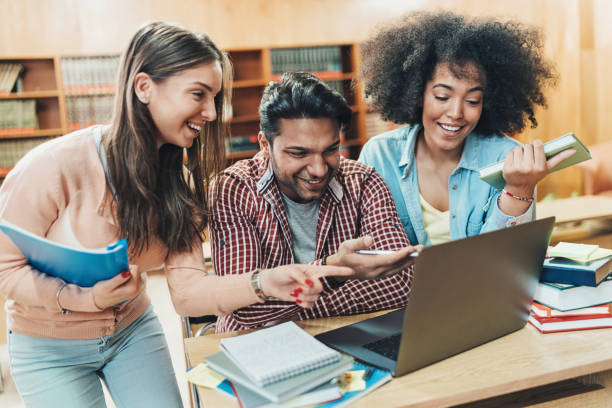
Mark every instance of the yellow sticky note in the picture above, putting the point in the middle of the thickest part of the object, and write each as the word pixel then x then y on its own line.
pixel 204 376
pixel 352 381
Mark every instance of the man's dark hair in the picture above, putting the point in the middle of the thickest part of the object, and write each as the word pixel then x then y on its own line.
pixel 399 60
pixel 300 95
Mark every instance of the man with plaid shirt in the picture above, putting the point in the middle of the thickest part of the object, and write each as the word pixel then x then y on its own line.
pixel 299 201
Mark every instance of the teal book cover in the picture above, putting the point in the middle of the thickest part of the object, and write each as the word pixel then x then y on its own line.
pixel 81 267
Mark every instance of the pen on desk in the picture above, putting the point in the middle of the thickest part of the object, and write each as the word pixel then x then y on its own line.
pixel 368 373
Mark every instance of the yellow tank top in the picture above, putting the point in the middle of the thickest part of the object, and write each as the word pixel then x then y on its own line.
pixel 437 223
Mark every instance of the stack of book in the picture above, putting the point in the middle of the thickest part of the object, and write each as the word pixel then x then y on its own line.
pixel 285 366
pixel 575 289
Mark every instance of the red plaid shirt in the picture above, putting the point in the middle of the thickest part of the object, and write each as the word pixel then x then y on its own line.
pixel 250 230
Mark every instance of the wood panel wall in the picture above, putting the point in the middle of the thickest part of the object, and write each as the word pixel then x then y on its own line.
pixel 578 32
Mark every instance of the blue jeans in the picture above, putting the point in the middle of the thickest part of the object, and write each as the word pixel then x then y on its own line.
pixel 134 363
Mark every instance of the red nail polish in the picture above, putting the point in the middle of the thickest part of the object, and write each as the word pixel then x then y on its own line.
pixel 125 274
pixel 309 282
pixel 293 294
pixel 298 290
pixel 298 301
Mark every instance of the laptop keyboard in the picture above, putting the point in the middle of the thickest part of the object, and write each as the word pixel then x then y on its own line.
pixel 387 346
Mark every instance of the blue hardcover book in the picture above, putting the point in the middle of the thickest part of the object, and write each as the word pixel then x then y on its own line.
pixel 82 267
pixel 561 270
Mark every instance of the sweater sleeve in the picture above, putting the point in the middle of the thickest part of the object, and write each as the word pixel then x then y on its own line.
pixel 31 197
pixel 195 292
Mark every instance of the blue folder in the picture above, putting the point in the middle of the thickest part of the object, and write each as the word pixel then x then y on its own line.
pixel 83 267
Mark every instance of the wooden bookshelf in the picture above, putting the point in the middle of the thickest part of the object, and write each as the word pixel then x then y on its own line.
pixel 18 134
pixel 38 88
pixel 255 68
pixel 59 84
pixel 30 95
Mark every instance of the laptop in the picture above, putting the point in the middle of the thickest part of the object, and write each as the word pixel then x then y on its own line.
pixel 464 293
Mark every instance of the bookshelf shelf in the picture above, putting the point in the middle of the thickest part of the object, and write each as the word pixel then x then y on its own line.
pixel 92 92
pixel 245 119
pixel 72 92
pixel 241 155
pixel 29 95
pixel 248 83
pixel 326 76
pixel 32 133
pixel 352 142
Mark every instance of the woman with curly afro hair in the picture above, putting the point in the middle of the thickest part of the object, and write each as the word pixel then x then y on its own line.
pixel 461 85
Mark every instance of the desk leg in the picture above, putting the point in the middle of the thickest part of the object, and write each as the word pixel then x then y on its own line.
pixel 604 379
pixel 193 389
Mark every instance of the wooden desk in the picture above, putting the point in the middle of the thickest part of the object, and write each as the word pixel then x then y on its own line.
pixel 577 218
pixel 576 209
pixel 517 362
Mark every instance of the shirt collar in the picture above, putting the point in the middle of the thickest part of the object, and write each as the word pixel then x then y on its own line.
pixel 408 156
pixel 469 156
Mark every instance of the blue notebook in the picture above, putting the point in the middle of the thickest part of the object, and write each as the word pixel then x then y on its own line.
pixel 82 267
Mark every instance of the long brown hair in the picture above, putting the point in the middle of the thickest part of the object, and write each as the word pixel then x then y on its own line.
pixel 157 194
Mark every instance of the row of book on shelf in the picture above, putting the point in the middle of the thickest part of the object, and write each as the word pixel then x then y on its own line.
pixel 85 111
pixel 12 150
pixel 10 78
pixel 307 59
pixel 89 74
pixel 18 116
pixel 575 292
pixel 290 369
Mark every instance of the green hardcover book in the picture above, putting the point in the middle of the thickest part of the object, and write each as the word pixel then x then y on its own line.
pixel 492 173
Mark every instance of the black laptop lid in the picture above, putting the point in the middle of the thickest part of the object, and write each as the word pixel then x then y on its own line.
pixel 465 293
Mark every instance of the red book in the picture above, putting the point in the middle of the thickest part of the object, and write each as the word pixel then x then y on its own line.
pixel 567 323
pixel 541 310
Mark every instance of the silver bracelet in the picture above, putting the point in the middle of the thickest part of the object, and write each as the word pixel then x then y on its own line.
pixel 57 295
pixel 256 286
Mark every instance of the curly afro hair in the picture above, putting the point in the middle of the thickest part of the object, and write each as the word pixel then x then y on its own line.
pixel 399 60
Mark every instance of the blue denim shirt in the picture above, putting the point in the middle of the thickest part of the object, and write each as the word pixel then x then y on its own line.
pixel 473 205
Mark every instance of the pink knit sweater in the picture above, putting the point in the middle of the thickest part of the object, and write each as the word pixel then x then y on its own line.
pixel 58 191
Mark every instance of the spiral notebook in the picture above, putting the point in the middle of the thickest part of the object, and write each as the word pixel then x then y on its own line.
pixel 277 353
pixel 284 390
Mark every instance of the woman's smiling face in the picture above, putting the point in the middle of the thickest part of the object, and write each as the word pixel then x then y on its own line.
pixel 451 106
pixel 182 103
